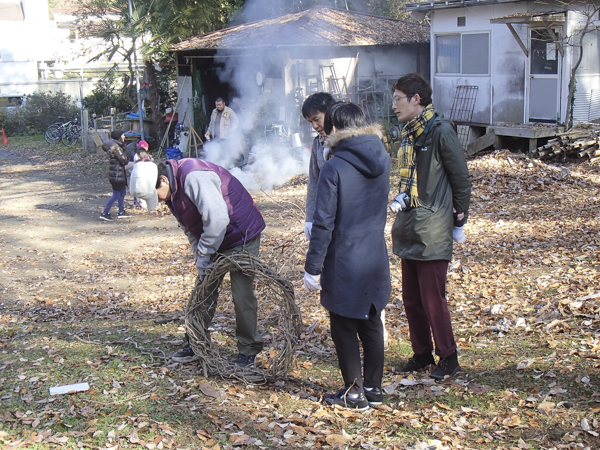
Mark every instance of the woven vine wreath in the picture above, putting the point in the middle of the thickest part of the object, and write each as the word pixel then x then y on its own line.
pixel 278 320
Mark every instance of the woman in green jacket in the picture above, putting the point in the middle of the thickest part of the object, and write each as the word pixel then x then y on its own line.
pixel 434 184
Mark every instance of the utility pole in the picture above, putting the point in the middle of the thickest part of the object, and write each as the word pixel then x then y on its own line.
pixel 137 77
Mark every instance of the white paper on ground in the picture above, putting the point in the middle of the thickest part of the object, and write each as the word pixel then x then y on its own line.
pixel 78 387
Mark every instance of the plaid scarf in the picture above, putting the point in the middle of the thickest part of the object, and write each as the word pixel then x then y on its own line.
pixel 406 156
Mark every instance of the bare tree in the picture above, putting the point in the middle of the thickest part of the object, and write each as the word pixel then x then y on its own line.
pixel 588 13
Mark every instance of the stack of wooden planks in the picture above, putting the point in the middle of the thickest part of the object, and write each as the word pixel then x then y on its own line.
pixel 577 142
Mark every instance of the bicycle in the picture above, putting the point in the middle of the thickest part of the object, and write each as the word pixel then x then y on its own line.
pixel 71 135
pixel 67 132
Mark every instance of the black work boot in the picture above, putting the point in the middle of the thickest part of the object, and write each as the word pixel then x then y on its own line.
pixel 347 399
pixel 417 363
pixel 245 360
pixel 374 395
pixel 446 367
pixel 186 354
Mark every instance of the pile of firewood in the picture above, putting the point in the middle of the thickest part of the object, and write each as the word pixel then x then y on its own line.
pixel 578 142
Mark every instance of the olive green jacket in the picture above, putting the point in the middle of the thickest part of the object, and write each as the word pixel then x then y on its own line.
pixel 443 182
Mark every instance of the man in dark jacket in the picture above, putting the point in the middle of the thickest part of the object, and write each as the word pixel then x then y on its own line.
pixel 217 215
pixel 347 254
pixel 117 174
pixel 434 183
pixel 313 109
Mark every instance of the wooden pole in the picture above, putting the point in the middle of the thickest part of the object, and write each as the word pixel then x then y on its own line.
pixel 84 129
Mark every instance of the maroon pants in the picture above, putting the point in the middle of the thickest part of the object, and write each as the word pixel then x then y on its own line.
pixel 424 296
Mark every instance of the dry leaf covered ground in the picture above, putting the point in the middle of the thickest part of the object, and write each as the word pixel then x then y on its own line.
pixel 80 300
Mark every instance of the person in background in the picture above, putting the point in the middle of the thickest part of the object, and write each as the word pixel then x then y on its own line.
pixel 434 184
pixel 313 109
pixel 217 214
pixel 223 122
pixel 117 174
pixel 141 154
pixel 347 256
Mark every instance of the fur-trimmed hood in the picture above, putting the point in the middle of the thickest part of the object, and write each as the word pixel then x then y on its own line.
pixel 374 128
pixel 362 148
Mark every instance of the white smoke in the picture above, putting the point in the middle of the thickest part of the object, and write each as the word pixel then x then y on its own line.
pixel 263 153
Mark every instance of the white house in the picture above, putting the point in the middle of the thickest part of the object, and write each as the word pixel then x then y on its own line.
pixel 518 53
pixel 41 51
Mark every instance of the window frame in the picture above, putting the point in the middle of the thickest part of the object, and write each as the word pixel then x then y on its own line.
pixel 460 63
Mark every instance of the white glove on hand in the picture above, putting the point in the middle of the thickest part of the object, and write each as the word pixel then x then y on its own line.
pixel 312 283
pixel 203 263
pixel 307 230
pixel 459 235
pixel 401 203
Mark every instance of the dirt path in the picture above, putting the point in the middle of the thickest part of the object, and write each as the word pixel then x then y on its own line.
pixel 50 231
pixel 55 248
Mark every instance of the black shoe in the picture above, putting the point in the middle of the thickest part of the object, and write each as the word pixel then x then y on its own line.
pixel 106 216
pixel 417 363
pixel 347 400
pixel 374 395
pixel 245 360
pixel 185 355
pixel 446 367
pixel 123 215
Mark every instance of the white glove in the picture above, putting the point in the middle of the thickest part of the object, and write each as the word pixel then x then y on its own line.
pixel 312 283
pixel 458 235
pixel 203 263
pixel 307 230
pixel 401 203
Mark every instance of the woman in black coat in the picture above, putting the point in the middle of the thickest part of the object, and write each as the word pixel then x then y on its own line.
pixel 347 254
pixel 117 173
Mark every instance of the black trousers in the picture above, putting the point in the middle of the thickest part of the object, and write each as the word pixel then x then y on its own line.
pixel 345 333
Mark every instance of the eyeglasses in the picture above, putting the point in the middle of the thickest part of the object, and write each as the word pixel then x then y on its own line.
pixel 395 100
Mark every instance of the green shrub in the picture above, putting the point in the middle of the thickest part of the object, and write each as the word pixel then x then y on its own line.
pixel 43 108
pixel 11 120
pixel 40 110
pixel 106 95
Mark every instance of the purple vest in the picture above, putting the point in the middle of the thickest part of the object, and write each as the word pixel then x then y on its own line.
pixel 245 220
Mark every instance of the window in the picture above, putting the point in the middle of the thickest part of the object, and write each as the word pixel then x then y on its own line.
pixel 461 21
pixel 448 53
pixel 475 53
pixel 466 53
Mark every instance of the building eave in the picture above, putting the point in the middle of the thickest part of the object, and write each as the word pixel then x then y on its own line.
pixel 450 4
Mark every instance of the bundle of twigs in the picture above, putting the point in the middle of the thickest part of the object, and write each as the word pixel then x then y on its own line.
pixel 278 318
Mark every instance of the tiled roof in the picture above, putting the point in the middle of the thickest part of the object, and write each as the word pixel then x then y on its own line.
pixel 317 26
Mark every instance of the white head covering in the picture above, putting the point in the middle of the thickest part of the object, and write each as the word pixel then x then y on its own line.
pixel 143 182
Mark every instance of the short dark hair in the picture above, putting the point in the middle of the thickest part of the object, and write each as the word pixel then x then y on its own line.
pixel 219 99
pixel 344 115
pixel 413 83
pixel 318 102
pixel 162 171
pixel 116 134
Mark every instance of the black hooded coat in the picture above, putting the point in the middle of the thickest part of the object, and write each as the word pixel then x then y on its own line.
pixel 117 173
pixel 347 244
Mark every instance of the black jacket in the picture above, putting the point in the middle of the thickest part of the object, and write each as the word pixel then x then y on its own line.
pixel 347 244
pixel 117 175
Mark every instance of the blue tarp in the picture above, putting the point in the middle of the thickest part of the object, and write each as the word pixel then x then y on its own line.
pixel 134 115
pixel 173 153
